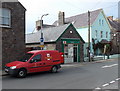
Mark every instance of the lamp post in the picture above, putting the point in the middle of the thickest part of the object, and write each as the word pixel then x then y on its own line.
pixel 42 39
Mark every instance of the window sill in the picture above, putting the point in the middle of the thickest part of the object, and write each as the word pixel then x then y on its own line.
pixel 5 26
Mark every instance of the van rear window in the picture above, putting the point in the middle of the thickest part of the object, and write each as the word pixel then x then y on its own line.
pixel 26 57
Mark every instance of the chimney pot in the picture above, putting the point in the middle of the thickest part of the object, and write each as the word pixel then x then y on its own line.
pixel 110 18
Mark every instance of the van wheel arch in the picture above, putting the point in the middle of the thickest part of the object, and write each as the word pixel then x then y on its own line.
pixel 54 69
pixel 22 72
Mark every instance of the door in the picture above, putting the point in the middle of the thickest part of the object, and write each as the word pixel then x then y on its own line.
pixel 75 54
pixel 68 53
pixel 36 64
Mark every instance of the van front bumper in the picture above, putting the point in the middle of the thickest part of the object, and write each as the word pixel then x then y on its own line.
pixel 10 71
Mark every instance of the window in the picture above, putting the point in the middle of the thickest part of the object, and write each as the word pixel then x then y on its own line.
pixel 106 34
pixel 101 34
pixel 66 50
pixel 36 58
pixel 5 19
pixel 99 21
pixel 102 22
pixel 95 34
pixel 26 57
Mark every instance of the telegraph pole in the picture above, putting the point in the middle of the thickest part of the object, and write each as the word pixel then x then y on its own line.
pixel 89 36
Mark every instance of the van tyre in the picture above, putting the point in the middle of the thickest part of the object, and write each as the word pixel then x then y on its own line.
pixel 22 73
pixel 54 69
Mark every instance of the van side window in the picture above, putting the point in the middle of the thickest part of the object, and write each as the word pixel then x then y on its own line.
pixel 37 58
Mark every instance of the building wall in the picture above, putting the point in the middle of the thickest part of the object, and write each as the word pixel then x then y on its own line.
pixel 50 46
pixel 99 26
pixel 72 35
pixel 115 42
pixel 102 26
pixel 13 38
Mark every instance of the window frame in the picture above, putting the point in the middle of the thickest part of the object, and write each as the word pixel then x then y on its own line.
pixel 103 22
pixel 106 34
pixel 96 34
pixel 100 22
pixel 101 34
pixel 5 18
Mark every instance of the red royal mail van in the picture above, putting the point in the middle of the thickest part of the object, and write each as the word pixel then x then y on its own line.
pixel 35 61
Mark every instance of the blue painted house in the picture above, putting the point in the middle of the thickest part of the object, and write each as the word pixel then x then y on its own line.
pixel 99 29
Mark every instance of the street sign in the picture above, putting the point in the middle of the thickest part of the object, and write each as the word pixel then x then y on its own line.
pixel 42 46
pixel 41 39
pixel 41 43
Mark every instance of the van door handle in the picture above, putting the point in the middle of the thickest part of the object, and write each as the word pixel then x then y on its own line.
pixel 40 64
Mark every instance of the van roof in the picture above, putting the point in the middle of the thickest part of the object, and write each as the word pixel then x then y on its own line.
pixel 36 51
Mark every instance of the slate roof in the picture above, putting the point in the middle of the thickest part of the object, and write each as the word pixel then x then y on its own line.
pixel 114 24
pixel 81 20
pixel 50 34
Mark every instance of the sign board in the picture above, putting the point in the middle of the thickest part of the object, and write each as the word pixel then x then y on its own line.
pixel 64 42
pixel 41 39
pixel 41 45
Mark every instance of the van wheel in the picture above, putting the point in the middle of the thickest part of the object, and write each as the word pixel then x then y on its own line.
pixel 22 73
pixel 54 69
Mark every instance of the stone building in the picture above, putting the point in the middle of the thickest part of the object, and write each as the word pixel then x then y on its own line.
pixel 12 31
pixel 63 38
pixel 115 35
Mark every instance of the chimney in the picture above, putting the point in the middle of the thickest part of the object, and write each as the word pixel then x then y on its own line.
pixel 61 18
pixel 38 24
pixel 110 18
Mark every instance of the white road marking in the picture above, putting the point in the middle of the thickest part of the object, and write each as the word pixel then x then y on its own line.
pixel 97 88
pixel 112 82
pixel 105 85
pixel 117 79
pixel 107 66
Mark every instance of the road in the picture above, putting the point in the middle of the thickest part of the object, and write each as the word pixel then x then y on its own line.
pixel 95 75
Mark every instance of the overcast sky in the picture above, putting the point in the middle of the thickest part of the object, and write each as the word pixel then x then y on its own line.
pixel 36 8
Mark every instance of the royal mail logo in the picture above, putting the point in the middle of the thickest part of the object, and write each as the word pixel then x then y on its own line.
pixel 48 57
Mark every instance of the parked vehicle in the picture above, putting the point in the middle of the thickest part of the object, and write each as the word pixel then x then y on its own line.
pixel 35 61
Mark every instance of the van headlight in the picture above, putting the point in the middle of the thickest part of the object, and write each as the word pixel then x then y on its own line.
pixel 13 67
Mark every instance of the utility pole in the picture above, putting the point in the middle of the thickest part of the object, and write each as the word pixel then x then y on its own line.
pixel 89 36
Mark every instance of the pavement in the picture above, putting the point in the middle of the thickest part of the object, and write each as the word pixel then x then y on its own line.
pixel 3 73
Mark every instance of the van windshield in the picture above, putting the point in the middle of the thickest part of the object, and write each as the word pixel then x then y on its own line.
pixel 26 57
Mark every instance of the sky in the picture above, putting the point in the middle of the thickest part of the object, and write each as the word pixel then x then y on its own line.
pixel 36 8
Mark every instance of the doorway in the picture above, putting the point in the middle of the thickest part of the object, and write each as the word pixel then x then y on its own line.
pixel 75 53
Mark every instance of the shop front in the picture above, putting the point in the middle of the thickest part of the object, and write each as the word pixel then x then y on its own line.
pixel 71 50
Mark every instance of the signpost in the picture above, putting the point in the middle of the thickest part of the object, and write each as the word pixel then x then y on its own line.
pixel 40 26
pixel 42 43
